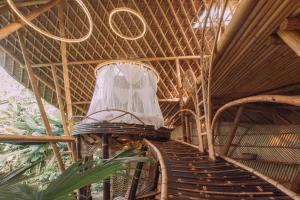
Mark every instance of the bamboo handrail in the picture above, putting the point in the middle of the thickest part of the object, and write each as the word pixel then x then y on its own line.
pixel 30 138
pixel 164 178
pixel 292 100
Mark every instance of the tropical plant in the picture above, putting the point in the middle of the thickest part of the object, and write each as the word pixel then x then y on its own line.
pixel 76 176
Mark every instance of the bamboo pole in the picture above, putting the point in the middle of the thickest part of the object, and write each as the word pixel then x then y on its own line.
pixel 39 99
pixel 148 59
pixel 291 39
pixel 232 131
pixel 71 146
pixel 32 139
pixel 63 49
pixel 290 24
pixel 10 28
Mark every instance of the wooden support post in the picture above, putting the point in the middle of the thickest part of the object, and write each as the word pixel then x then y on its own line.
pixel 136 177
pixel 232 131
pixel 63 49
pixel 71 145
pixel 10 28
pixel 181 103
pixel 105 154
pixel 35 89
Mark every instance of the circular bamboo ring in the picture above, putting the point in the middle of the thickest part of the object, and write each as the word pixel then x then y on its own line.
pixel 138 15
pixel 101 65
pixel 81 4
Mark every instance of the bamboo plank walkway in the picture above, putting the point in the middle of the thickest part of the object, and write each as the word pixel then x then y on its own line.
pixel 191 175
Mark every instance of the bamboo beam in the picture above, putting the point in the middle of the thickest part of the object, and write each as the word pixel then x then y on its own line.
pixel 232 131
pixel 160 100
pixel 10 28
pixel 32 139
pixel 71 146
pixel 290 24
pixel 291 39
pixel 63 49
pixel 82 62
pixel 35 89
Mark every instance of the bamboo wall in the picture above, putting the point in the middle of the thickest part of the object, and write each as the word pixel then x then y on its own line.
pixel 277 148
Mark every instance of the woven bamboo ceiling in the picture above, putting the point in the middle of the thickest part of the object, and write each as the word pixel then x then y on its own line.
pixel 169 34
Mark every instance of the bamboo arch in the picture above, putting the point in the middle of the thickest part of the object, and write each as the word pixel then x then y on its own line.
pixel 280 99
pixel 198 125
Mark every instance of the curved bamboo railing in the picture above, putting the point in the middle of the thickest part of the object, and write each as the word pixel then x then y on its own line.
pixel 291 100
pixel 164 178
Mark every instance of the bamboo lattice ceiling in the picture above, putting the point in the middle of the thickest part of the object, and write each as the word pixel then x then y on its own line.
pixel 169 34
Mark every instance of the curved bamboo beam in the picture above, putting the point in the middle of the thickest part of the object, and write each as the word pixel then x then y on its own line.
pixel 291 100
pixel 164 178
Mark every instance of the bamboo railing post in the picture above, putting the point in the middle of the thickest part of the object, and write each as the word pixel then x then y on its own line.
pixel 136 176
pixel 71 146
pixel 63 49
pixel 105 155
pixel 232 131
pixel 39 99
pixel 181 103
pixel 10 28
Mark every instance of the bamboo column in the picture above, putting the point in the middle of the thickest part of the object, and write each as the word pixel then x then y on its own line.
pixel 10 28
pixel 181 103
pixel 63 49
pixel 62 112
pixel 233 130
pixel 35 89
pixel 105 155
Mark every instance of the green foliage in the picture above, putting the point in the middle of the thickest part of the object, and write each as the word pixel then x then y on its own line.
pixel 76 176
pixel 21 116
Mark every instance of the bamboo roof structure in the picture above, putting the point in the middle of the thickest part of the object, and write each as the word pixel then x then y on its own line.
pixel 233 65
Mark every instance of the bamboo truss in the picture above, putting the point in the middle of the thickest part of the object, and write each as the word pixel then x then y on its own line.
pixel 256 53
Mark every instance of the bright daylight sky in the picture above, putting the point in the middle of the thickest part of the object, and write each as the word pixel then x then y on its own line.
pixel 12 88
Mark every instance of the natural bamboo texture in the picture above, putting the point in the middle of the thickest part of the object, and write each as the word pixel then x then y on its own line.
pixel 164 176
pixel 255 64
pixel 38 98
pixel 5 31
pixel 192 175
pixel 34 139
